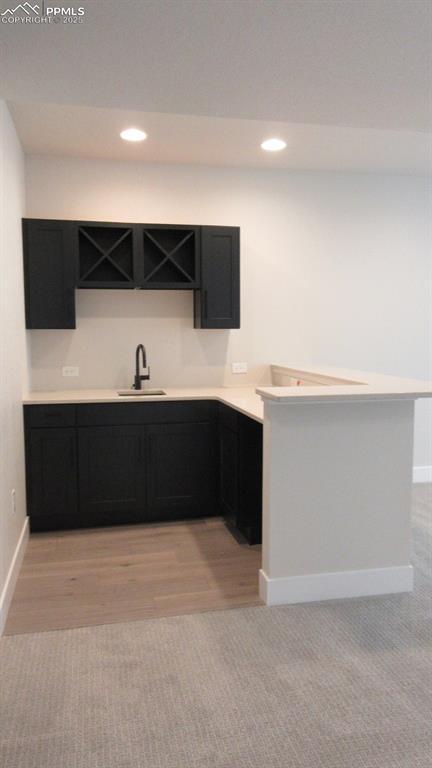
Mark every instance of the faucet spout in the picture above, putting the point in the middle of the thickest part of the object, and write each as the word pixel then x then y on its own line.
pixel 139 377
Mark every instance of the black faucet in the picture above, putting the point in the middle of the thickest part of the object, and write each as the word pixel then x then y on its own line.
pixel 144 376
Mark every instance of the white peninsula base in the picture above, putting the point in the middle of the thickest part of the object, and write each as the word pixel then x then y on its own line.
pixel 337 491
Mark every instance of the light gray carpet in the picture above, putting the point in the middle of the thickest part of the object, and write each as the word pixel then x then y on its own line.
pixel 332 685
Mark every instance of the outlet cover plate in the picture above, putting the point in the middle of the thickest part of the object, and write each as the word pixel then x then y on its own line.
pixel 70 370
pixel 239 367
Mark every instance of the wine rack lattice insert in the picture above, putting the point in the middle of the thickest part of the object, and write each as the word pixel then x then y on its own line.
pixel 169 256
pixel 105 255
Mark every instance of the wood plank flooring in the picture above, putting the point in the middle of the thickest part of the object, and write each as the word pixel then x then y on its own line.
pixel 107 575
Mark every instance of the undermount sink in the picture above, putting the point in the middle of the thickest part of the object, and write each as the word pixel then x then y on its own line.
pixel 140 392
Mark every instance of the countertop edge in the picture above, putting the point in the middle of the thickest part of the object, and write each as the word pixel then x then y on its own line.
pixel 340 397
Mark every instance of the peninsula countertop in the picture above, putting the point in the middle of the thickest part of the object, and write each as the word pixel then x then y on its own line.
pixel 309 383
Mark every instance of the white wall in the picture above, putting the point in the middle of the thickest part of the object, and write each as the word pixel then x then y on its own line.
pixel 13 353
pixel 336 269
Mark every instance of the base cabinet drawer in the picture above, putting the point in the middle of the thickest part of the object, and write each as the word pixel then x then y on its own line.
pixel 49 416
pixel 169 412
pixel 52 488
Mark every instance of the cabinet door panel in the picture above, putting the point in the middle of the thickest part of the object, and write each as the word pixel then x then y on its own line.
pixel 181 470
pixel 217 304
pixel 229 471
pixel 112 471
pixel 52 472
pixel 249 519
pixel 49 273
pixel 240 493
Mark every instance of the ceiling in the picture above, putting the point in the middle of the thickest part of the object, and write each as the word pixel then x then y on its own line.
pixel 362 63
pixel 347 82
pixel 93 132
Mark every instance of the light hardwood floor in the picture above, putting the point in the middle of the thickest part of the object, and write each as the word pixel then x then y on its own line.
pixel 107 575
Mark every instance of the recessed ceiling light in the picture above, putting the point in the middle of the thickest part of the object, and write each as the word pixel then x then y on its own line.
pixel 133 134
pixel 273 145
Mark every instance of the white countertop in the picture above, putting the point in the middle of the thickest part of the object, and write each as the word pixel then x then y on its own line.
pixel 325 383
pixel 242 399
pixel 322 384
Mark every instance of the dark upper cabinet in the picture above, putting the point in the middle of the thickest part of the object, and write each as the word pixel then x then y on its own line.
pixel 49 273
pixel 181 470
pixel 60 256
pixel 51 473
pixel 169 256
pixel 217 303
pixel 106 255
pixel 112 472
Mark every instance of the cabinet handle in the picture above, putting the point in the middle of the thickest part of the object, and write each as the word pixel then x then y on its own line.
pixel 205 303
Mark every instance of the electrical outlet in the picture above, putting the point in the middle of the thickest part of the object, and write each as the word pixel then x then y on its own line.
pixel 13 501
pixel 70 370
pixel 239 367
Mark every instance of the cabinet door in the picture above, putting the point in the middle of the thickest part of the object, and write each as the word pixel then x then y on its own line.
pixel 51 472
pixel 229 473
pixel 241 452
pixel 182 470
pixel 49 273
pixel 249 518
pixel 112 473
pixel 217 304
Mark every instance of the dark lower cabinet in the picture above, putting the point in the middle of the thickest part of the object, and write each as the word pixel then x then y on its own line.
pixel 182 470
pixel 52 487
pixel 157 461
pixel 229 473
pixel 240 492
pixel 112 473
pixel 250 453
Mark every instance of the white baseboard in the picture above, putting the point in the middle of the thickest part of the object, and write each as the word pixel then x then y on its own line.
pixel 8 589
pixel 422 474
pixel 333 586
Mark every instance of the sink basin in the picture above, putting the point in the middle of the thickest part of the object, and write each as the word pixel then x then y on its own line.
pixel 140 392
